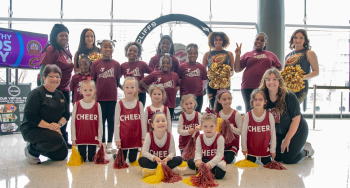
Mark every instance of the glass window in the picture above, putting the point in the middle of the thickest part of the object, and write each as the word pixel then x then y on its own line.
pixel 201 10
pixel 5 5
pixel 234 11
pixel 325 12
pixel 36 9
pixel 294 12
pixel 140 9
pixel 87 9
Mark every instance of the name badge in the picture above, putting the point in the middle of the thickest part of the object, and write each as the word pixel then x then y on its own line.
pixel 47 95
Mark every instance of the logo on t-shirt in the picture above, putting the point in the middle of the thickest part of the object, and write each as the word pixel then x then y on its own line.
pixel 102 69
pixel 168 84
pixel 158 79
pixel 260 56
pixel 194 73
pixel 275 114
pixel 79 84
pixel 107 73
pixel 136 71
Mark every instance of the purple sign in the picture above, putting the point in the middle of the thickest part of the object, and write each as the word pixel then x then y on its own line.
pixel 20 49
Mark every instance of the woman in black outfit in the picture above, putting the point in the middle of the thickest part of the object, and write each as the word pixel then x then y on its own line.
pixel 291 128
pixel 46 111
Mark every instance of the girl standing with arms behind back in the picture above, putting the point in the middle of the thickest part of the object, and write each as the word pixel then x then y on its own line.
pixel 130 127
pixel 106 72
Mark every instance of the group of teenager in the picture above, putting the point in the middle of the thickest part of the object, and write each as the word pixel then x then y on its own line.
pixel 272 129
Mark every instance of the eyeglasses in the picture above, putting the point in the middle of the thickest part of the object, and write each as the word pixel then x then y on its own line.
pixel 51 77
pixel 258 99
pixel 271 80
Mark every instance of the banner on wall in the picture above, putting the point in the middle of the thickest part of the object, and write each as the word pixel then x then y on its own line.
pixel 20 49
pixel 12 101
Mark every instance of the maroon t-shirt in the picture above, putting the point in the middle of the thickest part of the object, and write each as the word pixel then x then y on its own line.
pixel 63 61
pixel 169 80
pixel 192 77
pixel 138 68
pixel 75 84
pixel 256 63
pixel 154 63
pixel 106 73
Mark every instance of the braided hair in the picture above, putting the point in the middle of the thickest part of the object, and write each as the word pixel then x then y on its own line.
pixel 138 46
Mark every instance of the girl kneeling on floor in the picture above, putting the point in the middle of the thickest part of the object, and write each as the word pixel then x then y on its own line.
pixel 159 146
pixel 210 147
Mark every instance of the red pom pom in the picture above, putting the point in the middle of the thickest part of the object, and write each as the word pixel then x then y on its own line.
pixel 169 176
pixel 119 162
pixel 101 157
pixel 205 178
pixel 189 149
pixel 275 165
pixel 226 131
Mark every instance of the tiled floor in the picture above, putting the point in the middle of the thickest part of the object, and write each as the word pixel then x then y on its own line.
pixel 328 168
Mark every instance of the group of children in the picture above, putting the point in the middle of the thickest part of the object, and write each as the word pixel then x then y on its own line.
pixel 94 97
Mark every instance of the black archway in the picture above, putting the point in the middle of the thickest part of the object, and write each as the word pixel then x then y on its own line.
pixel 170 18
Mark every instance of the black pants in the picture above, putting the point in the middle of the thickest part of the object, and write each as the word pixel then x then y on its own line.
pixel 132 154
pixel 199 100
pixel 296 151
pixel 50 144
pixel 218 172
pixel 108 110
pixel 171 111
pixel 142 99
pixel 64 127
pixel 91 151
pixel 246 97
pixel 146 163
pixel 264 160
pixel 229 156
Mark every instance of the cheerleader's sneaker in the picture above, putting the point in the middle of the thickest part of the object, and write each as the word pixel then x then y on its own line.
pixel 310 151
pixel 183 171
pixel 109 148
pixel 31 159
pixel 145 172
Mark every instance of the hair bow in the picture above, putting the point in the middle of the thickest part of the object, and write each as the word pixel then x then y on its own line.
pixel 129 74
pixel 153 112
pixel 86 77
pixel 81 55
pixel 209 111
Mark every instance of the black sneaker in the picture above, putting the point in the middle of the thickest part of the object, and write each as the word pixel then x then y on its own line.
pixel 69 146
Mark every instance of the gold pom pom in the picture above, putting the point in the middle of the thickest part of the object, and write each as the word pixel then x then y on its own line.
pixel 293 77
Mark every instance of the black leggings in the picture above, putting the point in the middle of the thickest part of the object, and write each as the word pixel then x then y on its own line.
pixel 296 146
pixel 246 97
pixel 108 110
pixel 48 143
pixel 264 160
pixel 146 163
pixel 64 127
pixel 171 111
pixel 142 99
pixel 132 154
pixel 91 151
pixel 218 172
pixel 229 156
pixel 212 95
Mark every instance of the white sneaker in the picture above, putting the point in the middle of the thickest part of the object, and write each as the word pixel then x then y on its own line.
pixel 145 172
pixel 109 148
pixel 309 149
pixel 31 159
pixel 183 171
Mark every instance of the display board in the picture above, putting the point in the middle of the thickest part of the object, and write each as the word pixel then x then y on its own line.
pixel 20 49
pixel 12 102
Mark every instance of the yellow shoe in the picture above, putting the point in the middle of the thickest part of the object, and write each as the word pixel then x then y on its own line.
pixel 145 172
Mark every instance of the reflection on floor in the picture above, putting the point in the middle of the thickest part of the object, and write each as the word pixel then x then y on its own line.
pixel 329 167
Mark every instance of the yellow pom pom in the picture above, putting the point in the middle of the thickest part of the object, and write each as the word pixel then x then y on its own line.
pixel 218 128
pixel 187 181
pixel 156 178
pixel 293 77
pixel 245 163
pixel 75 158
pixel 136 163
pixel 183 164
